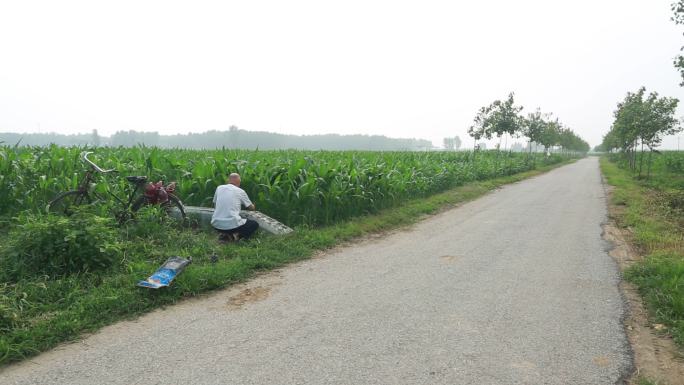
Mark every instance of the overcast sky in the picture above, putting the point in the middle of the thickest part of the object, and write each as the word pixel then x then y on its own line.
pixel 398 68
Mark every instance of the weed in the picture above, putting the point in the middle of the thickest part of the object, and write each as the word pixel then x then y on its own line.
pixel 55 245
pixel 652 212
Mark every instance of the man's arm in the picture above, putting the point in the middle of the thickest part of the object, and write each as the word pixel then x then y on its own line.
pixel 247 203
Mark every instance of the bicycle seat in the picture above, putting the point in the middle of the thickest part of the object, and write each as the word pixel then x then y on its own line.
pixel 136 179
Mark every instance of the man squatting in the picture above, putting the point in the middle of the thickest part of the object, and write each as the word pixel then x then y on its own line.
pixel 228 201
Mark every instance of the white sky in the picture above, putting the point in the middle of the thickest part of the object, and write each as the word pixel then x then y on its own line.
pixel 398 68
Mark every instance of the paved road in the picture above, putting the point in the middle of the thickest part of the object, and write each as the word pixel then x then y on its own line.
pixel 514 288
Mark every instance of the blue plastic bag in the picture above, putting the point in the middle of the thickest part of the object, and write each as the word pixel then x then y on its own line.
pixel 166 273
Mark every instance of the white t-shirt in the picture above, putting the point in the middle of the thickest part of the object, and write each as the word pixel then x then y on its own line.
pixel 228 200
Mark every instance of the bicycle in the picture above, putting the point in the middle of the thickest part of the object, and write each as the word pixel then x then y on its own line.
pixel 152 194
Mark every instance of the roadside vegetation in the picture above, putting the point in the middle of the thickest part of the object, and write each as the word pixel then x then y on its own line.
pixel 649 193
pixel 62 276
pixel 653 212
pixel 641 122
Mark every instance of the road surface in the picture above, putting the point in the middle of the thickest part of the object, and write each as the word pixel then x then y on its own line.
pixel 513 288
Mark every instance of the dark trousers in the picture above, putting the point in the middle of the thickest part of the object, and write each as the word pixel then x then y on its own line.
pixel 245 230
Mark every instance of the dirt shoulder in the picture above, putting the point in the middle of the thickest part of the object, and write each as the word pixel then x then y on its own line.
pixel 656 357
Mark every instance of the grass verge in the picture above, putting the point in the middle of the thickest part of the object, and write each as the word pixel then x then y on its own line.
pixel 37 314
pixel 652 215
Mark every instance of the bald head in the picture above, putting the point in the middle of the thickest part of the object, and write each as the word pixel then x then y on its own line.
pixel 234 179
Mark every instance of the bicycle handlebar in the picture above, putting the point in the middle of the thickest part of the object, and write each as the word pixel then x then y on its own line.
pixel 84 156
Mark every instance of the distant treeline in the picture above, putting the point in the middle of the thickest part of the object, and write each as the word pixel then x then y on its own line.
pixel 231 138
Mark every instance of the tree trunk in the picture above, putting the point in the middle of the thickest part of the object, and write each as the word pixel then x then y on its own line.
pixel 641 159
pixel 634 156
pixel 529 151
pixel 474 149
pixel 498 154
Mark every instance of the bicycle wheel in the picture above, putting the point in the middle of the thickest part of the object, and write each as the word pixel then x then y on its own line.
pixel 65 202
pixel 173 207
pixel 175 203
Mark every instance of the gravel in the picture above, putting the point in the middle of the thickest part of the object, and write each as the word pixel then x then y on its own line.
pixel 513 288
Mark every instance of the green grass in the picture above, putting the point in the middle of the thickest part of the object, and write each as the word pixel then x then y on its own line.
pixel 651 210
pixel 646 381
pixel 39 313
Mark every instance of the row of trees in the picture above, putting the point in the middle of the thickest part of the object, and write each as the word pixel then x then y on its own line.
pixel 641 122
pixel 231 138
pixel 504 118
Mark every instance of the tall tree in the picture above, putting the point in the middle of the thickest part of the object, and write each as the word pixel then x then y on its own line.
pixel 659 120
pixel 95 141
pixel 457 142
pixel 644 120
pixel 549 136
pixel 497 119
pixel 448 143
pixel 534 126
pixel 480 126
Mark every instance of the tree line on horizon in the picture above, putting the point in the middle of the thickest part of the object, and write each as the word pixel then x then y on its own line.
pixel 502 118
pixel 233 138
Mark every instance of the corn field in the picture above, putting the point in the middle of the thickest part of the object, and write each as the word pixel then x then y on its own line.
pixel 295 187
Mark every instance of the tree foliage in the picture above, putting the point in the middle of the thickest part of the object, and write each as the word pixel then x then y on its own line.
pixel 678 18
pixel 497 119
pixel 641 120
pixel 535 124
pixel 503 117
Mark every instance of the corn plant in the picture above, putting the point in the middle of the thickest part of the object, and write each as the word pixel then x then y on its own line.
pixel 296 187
